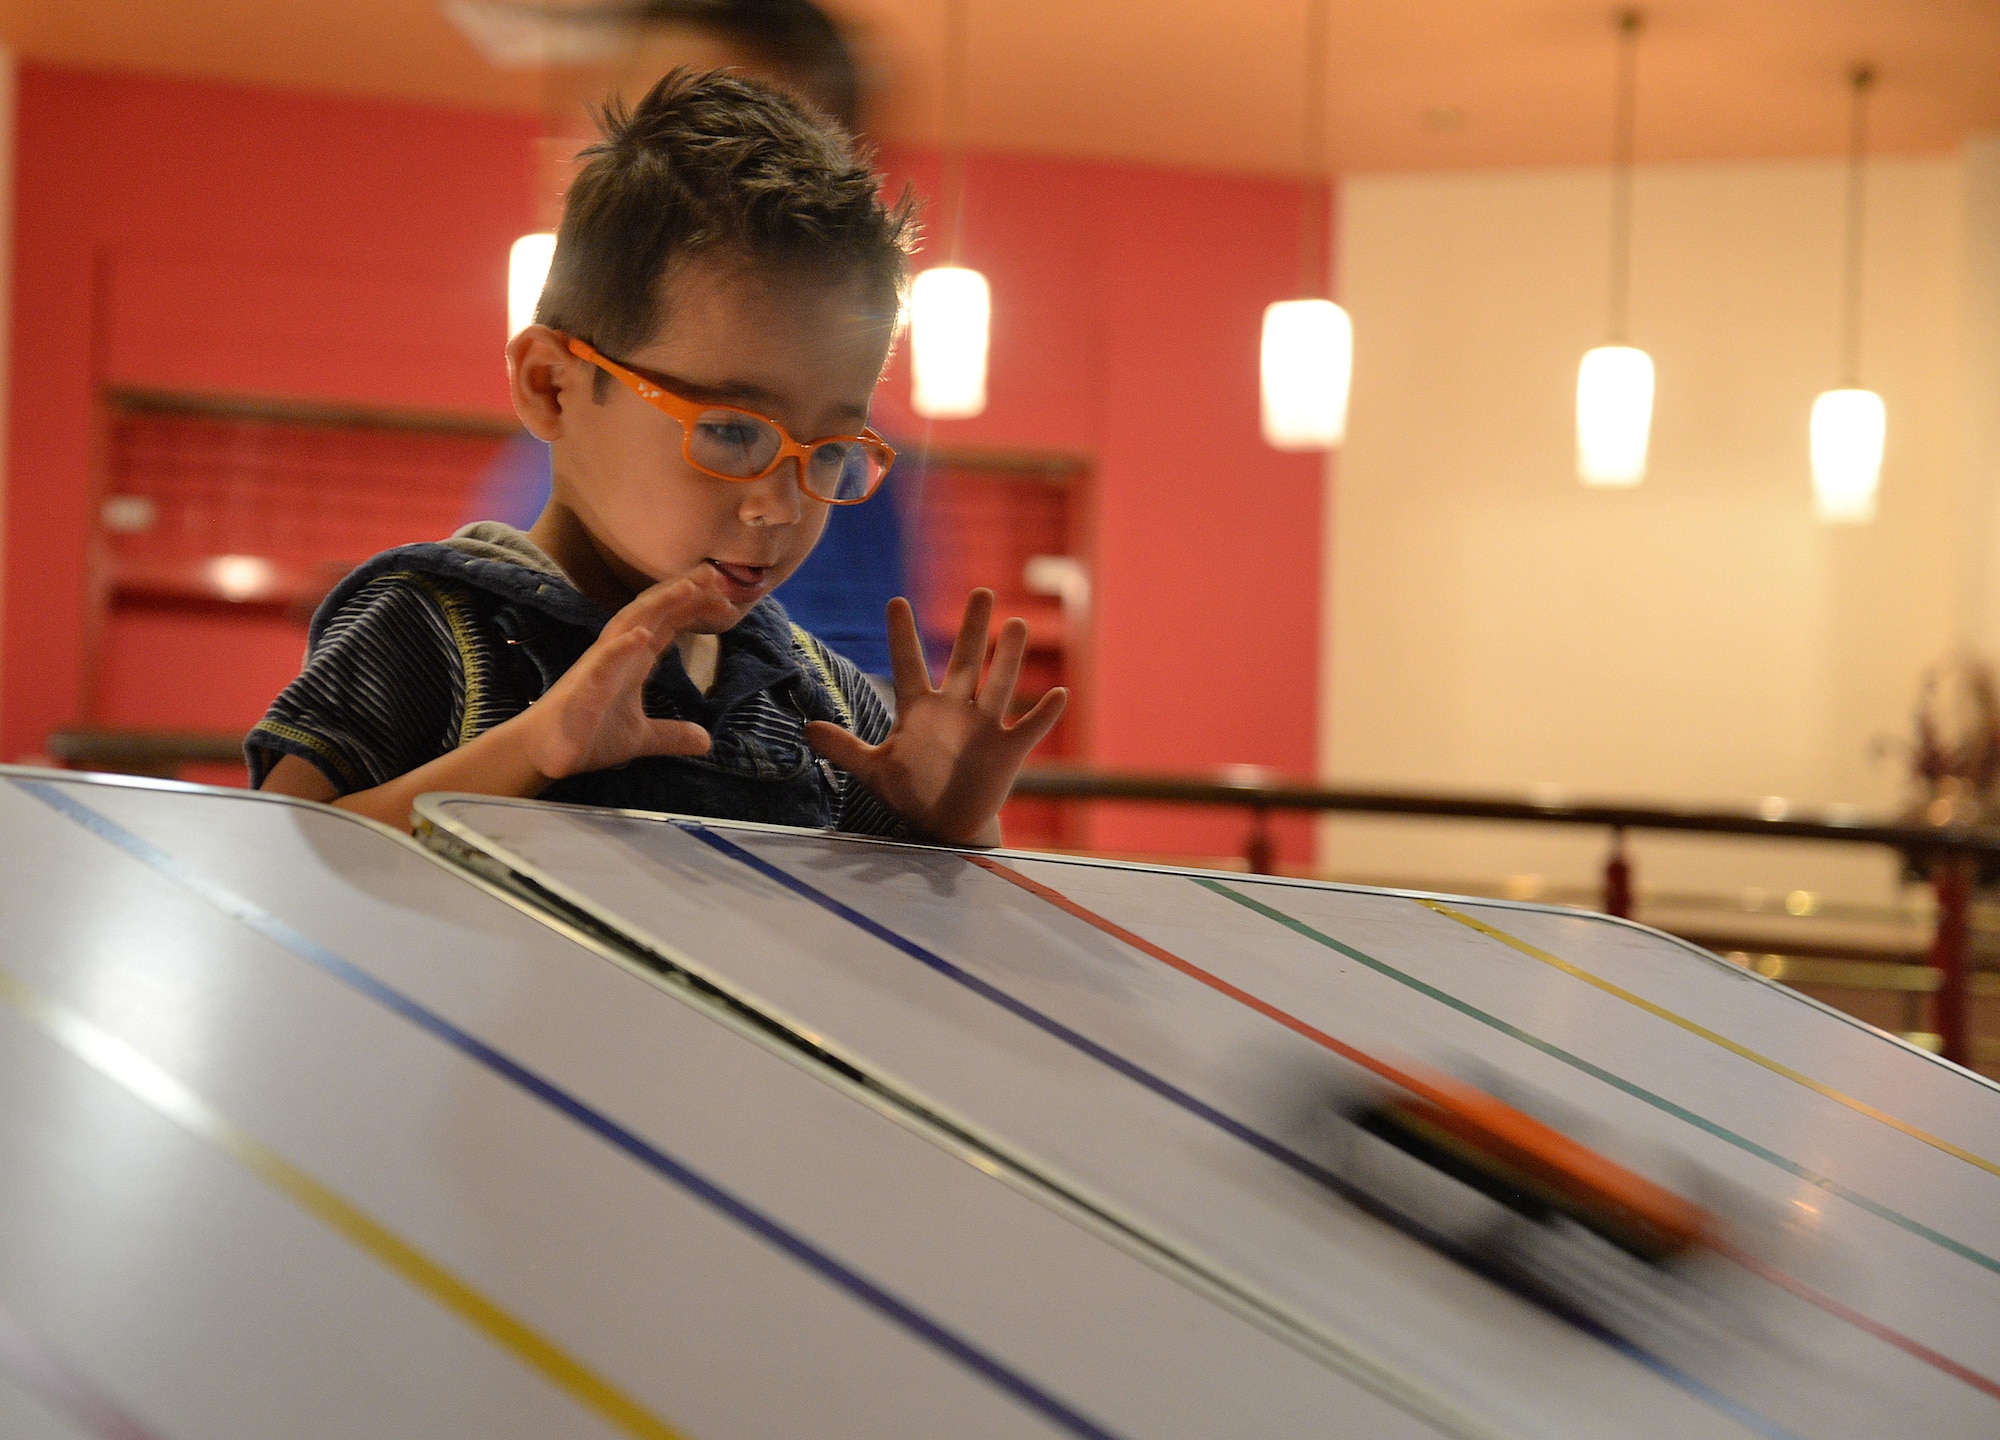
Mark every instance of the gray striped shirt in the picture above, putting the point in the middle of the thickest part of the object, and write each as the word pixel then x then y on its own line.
pixel 427 646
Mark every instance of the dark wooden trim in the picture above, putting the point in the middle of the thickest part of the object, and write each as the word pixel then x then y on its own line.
pixel 277 410
pixel 145 750
pixel 1056 467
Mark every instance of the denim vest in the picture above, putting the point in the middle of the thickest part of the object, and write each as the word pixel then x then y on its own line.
pixel 519 629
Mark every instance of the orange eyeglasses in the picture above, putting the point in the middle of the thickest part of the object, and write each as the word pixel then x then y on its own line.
pixel 733 444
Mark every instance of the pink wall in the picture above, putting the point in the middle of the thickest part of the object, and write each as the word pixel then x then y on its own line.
pixel 220 238
pixel 1127 305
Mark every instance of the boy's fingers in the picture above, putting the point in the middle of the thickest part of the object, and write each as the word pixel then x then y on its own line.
pixel 613 672
pixel 842 747
pixel 907 668
pixel 615 655
pixel 1033 728
pixel 675 737
pixel 666 609
pixel 1005 672
pixel 968 651
pixel 650 605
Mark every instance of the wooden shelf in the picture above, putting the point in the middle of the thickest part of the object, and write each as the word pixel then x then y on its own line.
pixel 207 580
pixel 278 410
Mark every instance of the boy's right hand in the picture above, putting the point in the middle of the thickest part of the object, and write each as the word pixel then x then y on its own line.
pixel 594 717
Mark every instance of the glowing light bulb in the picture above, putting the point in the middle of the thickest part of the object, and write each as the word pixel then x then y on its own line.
pixel 242 577
pixel 1847 432
pixel 1614 415
pixel 1307 364
pixel 951 314
pixel 527 272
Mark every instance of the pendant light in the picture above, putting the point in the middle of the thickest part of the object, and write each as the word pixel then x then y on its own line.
pixel 951 306
pixel 1306 360
pixel 1614 385
pixel 1848 424
pixel 577 61
pixel 527 272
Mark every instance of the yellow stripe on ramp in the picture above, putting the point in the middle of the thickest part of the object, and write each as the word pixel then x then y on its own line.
pixel 1859 1107
pixel 119 1062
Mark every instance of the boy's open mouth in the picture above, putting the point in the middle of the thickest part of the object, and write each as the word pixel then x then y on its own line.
pixel 741 583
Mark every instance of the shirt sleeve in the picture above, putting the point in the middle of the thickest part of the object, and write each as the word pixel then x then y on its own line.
pixel 862 812
pixel 381 692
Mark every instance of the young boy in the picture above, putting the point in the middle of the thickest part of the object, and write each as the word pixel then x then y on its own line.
pixel 720 308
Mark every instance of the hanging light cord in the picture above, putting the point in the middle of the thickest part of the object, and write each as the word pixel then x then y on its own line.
pixel 1314 202
pixel 954 125
pixel 1857 144
pixel 1630 23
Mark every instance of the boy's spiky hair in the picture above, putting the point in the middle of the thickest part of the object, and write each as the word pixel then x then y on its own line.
pixel 710 163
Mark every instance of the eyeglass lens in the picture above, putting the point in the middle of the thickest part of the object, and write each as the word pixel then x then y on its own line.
pixel 741 446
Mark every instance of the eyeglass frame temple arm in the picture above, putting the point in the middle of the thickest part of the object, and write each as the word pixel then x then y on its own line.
pixel 684 412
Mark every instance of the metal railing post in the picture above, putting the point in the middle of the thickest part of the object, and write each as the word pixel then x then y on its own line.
pixel 1618 877
pixel 1258 851
pixel 1951 953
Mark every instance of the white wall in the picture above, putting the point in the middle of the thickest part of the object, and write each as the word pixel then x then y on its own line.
pixel 1979 559
pixel 1493 625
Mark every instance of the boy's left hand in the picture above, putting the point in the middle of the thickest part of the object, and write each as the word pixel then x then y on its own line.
pixel 950 759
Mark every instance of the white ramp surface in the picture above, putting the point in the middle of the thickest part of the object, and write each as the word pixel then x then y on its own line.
pixel 305 1133
pixel 1127 1034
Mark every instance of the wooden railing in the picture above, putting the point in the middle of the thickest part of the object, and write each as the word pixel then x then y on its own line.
pixel 1950 858
pixel 163 753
